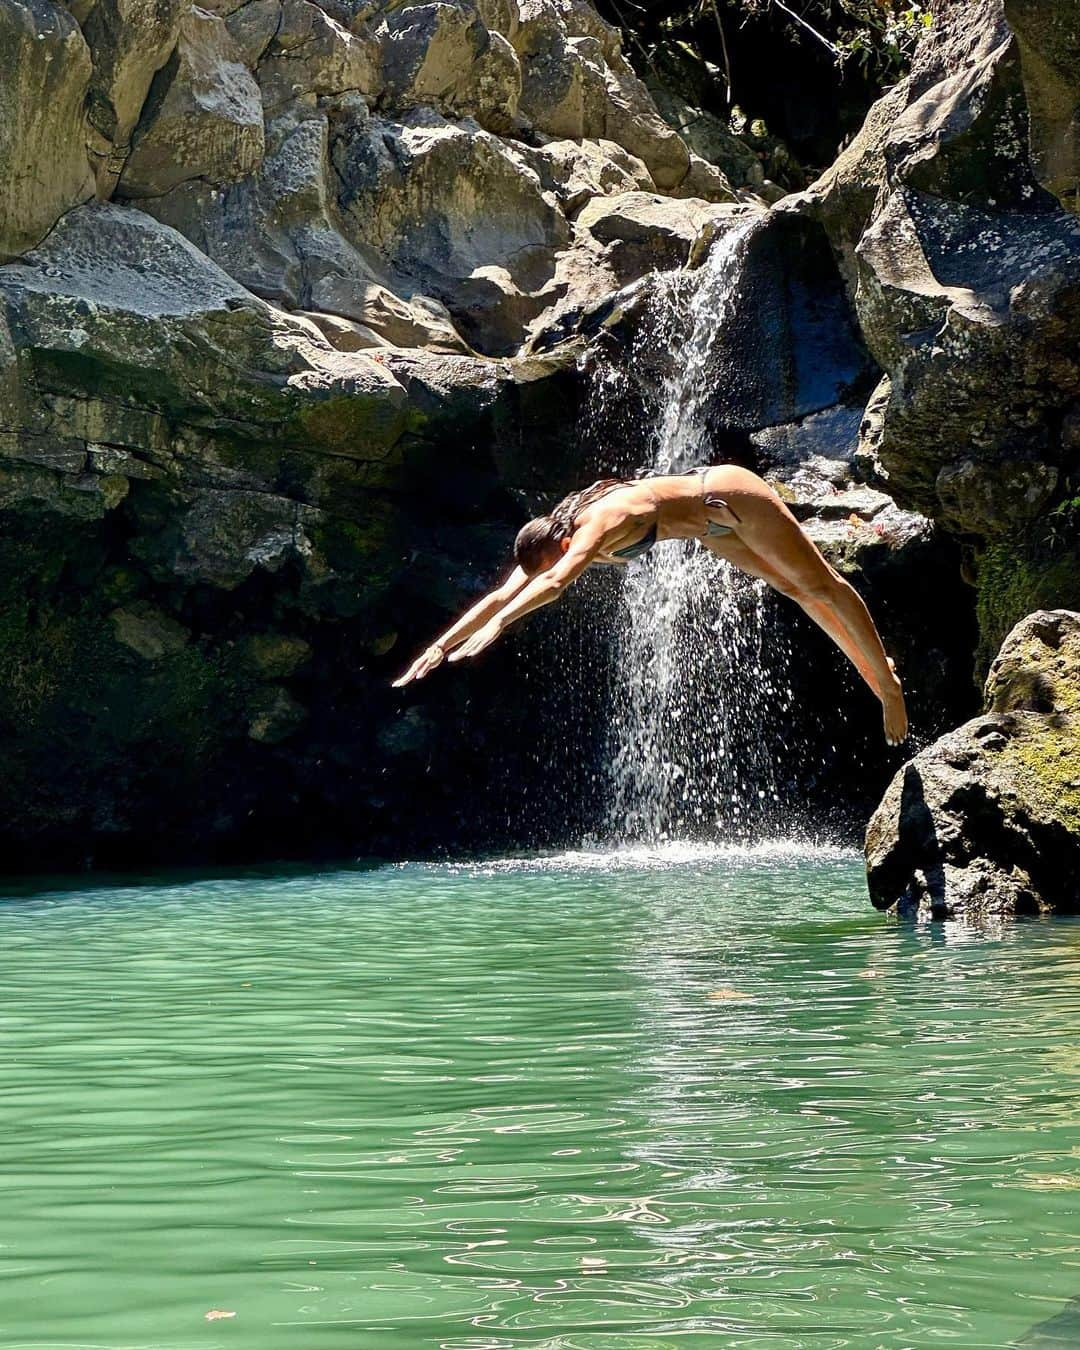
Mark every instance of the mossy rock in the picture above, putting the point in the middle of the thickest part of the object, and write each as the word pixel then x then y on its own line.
pixel 273 656
pixel 1016 577
pixel 1038 666
pixel 1044 766
pixel 985 823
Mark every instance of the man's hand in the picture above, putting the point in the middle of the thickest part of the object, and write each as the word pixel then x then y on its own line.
pixel 424 664
pixel 482 638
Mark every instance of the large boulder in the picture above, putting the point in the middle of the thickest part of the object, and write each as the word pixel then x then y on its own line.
pixel 130 40
pixel 444 55
pixel 964 271
pixel 44 75
pixel 579 171
pixel 206 119
pixel 985 823
pixel 311 55
pixel 115 402
pixel 576 84
pixel 456 213
pixel 642 232
pixel 116 302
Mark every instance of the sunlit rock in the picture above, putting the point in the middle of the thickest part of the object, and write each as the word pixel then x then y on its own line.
pixel 444 55
pixel 986 821
pixel 130 41
pixel 45 69
pixel 205 119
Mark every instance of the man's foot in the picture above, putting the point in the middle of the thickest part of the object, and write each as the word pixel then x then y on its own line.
pixel 894 710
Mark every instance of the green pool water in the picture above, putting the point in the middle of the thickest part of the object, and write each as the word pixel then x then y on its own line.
pixel 623 1102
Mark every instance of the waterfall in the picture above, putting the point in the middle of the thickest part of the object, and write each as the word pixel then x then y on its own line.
pixel 700 688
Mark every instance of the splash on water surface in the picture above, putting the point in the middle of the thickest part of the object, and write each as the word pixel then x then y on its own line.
pixel 660 856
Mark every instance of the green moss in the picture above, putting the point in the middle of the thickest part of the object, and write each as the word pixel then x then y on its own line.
pixel 1016 577
pixel 92 729
pixel 272 656
pixel 359 561
pixel 32 665
pixel 98 377
pixel 34 650
pixel 360 426
pixel 1044 767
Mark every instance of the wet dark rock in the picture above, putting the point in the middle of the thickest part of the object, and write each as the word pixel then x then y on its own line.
pixel 276 715
pixel 147 631
pixel 789 348
pixel 199 574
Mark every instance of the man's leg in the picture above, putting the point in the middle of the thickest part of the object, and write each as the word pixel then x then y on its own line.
pixel 734 551
pixel 777 550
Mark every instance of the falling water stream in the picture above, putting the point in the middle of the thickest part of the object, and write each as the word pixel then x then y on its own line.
pixel 700 687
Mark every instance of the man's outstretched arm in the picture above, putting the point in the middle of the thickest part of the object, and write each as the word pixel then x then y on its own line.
pixel 542 590
pixel 464 627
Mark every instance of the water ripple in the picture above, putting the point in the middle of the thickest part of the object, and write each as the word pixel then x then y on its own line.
pixel 640 1100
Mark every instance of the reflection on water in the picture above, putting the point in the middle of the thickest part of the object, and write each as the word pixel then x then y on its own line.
pixel 572 1102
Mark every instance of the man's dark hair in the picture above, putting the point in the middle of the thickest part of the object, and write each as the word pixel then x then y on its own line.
pixel 539 542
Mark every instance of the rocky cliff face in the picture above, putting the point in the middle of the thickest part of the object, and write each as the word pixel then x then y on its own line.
pixel 953 214
pixel 271 274
pixel 292 297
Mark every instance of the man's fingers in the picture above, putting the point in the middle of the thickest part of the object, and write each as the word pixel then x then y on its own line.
pixel 424 664
pixel 475 644
pixel 470 648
